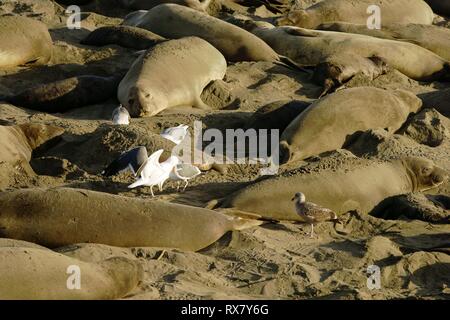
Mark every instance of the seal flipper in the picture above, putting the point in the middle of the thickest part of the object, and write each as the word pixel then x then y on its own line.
pixel 291 64
pixel 198 103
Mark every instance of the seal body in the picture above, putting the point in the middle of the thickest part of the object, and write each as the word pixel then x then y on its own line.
pixel 63 95
pixel 327 123
pixel 236 44
pixel 125 36
pixel 63 216
pixel 24 41
pixel 50 277
pixel 311 47
pixel 18 142
pixel 342 186
pixel 394 11
pixel 434 38
pixel 149 4
pixel 172 73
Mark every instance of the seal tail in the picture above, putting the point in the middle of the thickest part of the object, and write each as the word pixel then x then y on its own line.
pixel 291 64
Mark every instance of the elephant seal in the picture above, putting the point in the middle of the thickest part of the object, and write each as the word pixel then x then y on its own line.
pixel 24 41
pixel 200 5
pixel 63 95
pixel 172 73
pixel 124 36
pixel 62 216
pixel 18 142
pixel 340 185
pixel 440 7
pixel 311 47
pixel 50 278
pixel 336 70
pixel 236 44
pixel 439 100
pixel 394 11
pixel 328 122
pixel 434 38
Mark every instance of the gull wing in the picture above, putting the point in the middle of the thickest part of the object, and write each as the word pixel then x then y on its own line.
pixel 150 164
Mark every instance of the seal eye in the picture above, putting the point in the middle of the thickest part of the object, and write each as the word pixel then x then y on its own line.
pixel 131 101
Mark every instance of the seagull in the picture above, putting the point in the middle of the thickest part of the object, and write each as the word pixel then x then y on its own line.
pixel 175 134
pixel 130 160
pixel 120 115
pixel 311 212
pixel 152 173
pixel 184 172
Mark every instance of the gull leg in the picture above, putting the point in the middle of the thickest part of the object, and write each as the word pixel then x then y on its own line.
pixel 151 190
pixel 187 182
pixel 178 186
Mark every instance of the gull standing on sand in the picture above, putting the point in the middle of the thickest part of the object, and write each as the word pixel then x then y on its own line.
pixel 120 115
pixel 175 134
pixel 152 173
pixel 311 212
pixel 130 160
pixel 184 172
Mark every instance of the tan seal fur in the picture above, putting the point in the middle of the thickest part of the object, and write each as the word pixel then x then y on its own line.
pixel 125 36
pixel 18 142
pixel 35 274
pixel 24 41
pixel 147 5
pixel 392 11
pixel 311 47
pixel 172 73
pixel 340 185
pixel 433 38
pixel 62 216
pixel 175 21
pixel 328 122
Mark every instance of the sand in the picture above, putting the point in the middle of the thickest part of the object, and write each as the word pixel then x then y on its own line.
pixel 274 261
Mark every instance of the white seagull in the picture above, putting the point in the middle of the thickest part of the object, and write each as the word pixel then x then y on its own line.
pixel 120 115
pixel 184 172
pixel 175 134
pixel 311 212
pixel 152 173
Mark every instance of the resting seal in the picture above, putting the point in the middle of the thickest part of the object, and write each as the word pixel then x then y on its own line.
pixel 311 47
pixel 236 44
pixel 18 142
pixel 149 4
pixel 328 122
pixel 125 36
pixel 70 93
pixel 63 216
pixel 110 279
pixel 433 38
pixel 352 184
pixel 393 11
pixel 172 73
pixel 24 41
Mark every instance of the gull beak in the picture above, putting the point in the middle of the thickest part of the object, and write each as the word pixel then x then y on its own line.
pixel 293 198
